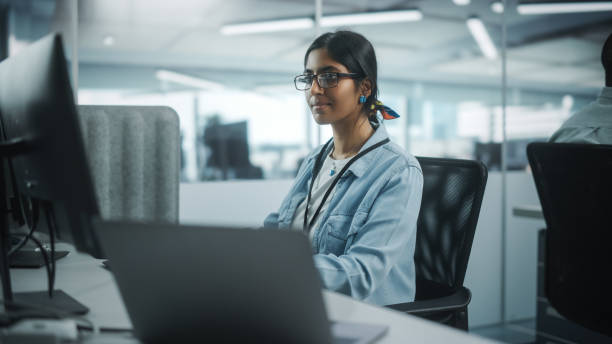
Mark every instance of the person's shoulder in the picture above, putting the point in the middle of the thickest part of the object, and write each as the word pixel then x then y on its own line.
pixel 582 135
pixel 401 158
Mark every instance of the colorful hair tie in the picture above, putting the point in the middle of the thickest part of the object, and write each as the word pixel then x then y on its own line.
pixel 387 112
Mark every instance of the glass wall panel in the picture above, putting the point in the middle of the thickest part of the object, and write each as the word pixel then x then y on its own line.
pixel 554 69
pixel 430 71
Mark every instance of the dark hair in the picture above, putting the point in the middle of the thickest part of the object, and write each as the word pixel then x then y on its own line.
pixel 356 53
pixel 606 60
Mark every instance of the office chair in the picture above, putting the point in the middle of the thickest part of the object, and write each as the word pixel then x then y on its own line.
pixel 452 195
pixel 134 153
pixel 574 183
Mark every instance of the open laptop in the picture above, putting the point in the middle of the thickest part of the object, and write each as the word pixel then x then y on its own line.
pixel 197 283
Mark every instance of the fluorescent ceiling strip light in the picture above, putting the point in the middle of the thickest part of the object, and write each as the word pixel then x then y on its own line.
pixel 371 18
pixel 326 21
pixel 187 80
pixel 268 26
pixel 564 7
pixel 480 34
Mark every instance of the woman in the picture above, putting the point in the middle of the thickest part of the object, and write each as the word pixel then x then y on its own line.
pixel 357 196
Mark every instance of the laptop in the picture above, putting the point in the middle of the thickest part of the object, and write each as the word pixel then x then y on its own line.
pixel 199 283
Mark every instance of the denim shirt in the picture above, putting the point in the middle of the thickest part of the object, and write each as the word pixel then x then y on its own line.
pixel 364 245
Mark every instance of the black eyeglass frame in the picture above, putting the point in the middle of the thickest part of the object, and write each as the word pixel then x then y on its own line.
pixel 316 76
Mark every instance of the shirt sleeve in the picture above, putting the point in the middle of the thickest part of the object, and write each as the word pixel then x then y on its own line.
pixel 388 231
pixel 271 221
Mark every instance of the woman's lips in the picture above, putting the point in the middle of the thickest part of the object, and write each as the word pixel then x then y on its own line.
pixel 320 106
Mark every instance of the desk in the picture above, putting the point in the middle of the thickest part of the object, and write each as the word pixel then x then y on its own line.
pixel 530 211
pixel 84 279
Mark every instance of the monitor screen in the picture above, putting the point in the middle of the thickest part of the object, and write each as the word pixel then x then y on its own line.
pixel 489 154
pixel 228 144
pixel 37 108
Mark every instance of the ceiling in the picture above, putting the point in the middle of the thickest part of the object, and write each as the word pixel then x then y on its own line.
pixel 544 52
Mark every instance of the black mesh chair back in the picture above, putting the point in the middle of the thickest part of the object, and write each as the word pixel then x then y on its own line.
pixel 574 183
pixel 452 195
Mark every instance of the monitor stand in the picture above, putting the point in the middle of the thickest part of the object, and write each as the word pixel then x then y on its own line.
pixel 60 301
pixel 14 302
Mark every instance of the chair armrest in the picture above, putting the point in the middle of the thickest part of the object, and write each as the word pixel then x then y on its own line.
pixel 458 300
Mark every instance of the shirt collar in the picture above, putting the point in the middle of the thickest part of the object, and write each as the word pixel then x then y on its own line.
pixel 359 167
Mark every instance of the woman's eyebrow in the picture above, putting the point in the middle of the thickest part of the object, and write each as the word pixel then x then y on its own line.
pixel 327 69
pixel 322 69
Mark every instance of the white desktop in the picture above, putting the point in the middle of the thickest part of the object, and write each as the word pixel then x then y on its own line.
pixel 84 278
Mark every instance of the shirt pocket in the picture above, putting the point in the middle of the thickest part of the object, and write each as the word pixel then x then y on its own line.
pixel 336 234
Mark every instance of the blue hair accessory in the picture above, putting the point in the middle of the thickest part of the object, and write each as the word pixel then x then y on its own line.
pixel 362 99
pixel 387 112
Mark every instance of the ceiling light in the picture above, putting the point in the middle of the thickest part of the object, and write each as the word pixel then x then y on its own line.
pixel 564 7
pixel 497 7
pixel 108 40
pixel 480 34
pixel 268 26
pixel 461 2
pixel 371 18
pixel 187 80
pixel 326 21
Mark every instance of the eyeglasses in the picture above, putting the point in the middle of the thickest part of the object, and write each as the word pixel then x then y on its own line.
pixel 325 80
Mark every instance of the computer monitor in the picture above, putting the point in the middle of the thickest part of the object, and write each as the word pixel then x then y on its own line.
pixel 230 150
pixel 43 141
pixel 228 144
pixel 489 153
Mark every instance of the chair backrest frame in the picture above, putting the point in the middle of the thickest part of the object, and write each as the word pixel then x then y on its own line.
pixel 453 187
pixel 574 184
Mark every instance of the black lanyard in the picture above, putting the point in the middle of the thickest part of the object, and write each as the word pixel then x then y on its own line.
pixel 316 170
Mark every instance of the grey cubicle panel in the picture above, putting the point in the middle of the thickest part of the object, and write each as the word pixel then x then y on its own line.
pixel 133 153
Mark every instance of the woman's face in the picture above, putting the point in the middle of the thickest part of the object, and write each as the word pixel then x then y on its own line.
pixel 331 105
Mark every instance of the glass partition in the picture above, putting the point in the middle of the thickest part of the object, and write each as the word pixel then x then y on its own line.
pixel 554 69
pixel 430 70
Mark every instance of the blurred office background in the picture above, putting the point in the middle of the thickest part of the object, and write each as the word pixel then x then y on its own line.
pixel 245 128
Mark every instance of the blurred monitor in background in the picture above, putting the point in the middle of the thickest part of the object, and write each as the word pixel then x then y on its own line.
pixel 489 153
pixel 229 152
pixel 516 154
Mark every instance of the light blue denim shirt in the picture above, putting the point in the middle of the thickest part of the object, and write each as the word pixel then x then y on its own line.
pixel 364 245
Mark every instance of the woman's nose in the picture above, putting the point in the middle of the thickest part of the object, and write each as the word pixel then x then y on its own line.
pixel 315 88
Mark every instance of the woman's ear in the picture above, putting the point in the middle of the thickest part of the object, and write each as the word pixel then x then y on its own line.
pixel 365 88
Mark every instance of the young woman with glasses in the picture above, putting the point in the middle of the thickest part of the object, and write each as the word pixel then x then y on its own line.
pixel 358 195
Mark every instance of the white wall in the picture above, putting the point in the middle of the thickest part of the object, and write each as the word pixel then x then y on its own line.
pixel 241 203
pixel 521 249
pixel 247 203
pixel 483 276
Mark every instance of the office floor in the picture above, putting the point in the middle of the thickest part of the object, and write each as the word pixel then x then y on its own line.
pixel 516 332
